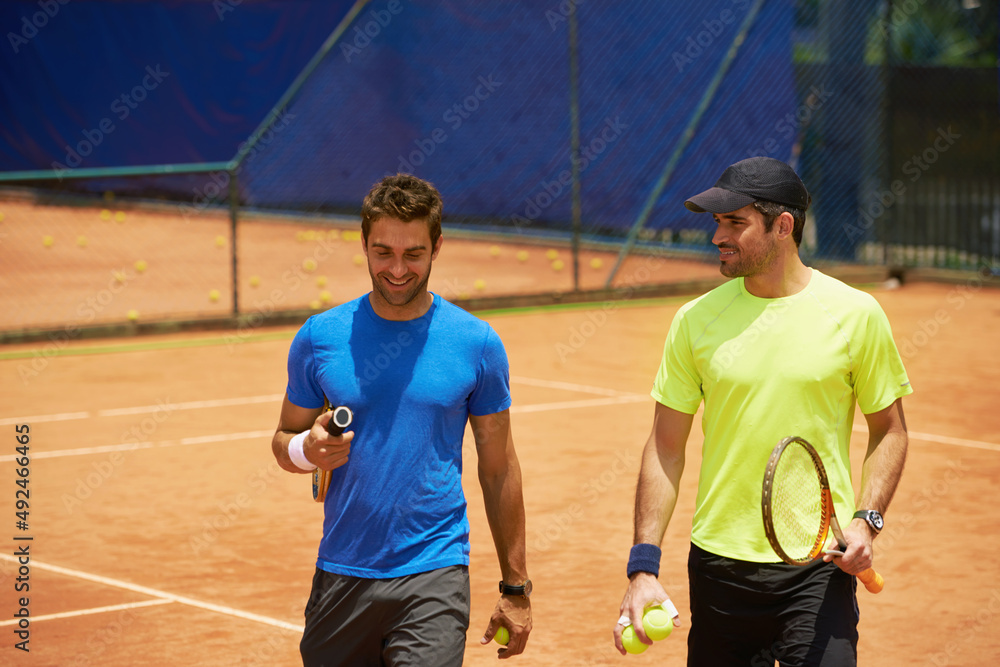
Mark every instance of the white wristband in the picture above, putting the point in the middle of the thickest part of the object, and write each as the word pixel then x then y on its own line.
pixel 297 455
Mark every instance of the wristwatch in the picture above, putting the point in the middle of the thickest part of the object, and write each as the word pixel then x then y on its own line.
pixel 524 590
pixel 873 518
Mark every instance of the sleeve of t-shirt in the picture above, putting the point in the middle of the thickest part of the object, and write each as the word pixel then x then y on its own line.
pixel 678 382
pixel 880 377
pixel 492 391
pixel 303 389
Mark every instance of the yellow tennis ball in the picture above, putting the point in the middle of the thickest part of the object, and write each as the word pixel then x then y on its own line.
pixel 551 254
pixel 494 251
pixel 325 297
pixel 133 315
pixel 120 216
pixel 105 214
pixel 522 255
pixel 254 281
pixel 479 284
pixel 140 265
pixel 657 623
pixel 359 260
pixel 213 295
pixel 596 263
pixel 321 281
pixel 119 276
pixel 220 241
pixel 309 264
pixel 631 641
pixel 315 304
pixel 81 241
pixel 558 265
pixel 47 241
pixel 502 636
pixel 300 235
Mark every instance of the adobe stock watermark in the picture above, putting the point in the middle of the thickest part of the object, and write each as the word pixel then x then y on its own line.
pixel 363 34
pixel 561 13
pixel 103 638
pixel 121 107
pixel 88 310
pixel 984 620
pixel 454 116
pixel 787 126
pixel 590 493
pixel 901 13
pixel 30 25
pixel 550 191
pixel 101 471
pixel 229 512
pixel 915 167
pixel 696 44
pixel 218 181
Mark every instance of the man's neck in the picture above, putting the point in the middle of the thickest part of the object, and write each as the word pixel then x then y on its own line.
pixel 787 276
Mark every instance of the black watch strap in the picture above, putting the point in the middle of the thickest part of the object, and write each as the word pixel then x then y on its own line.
pixel 524 590
pixel 873 517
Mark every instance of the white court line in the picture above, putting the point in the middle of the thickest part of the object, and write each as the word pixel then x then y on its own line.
pixel 584 403
pixel 129 446
pixel 163 595
pixel 95 610
pixel 251 400
pixel 569 386
pixel 942 439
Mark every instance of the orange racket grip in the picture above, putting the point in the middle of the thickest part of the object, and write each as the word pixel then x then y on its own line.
pixel 872 580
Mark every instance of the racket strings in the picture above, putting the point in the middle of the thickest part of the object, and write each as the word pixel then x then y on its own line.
pixel 797 505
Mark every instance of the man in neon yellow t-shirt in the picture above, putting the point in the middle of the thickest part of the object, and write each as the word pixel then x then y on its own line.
pixel 780 350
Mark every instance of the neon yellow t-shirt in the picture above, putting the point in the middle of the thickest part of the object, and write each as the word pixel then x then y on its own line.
pixel 767 369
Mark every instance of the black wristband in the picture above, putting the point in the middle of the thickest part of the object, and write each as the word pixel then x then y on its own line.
pixel 644 558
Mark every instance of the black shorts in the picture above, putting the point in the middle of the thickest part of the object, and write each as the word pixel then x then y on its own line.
pixel 420 619
pixel 751 614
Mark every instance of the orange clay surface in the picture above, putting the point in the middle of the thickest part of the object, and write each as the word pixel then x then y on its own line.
pixel 164 534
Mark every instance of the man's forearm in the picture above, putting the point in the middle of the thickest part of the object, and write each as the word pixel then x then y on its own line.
pixel 656 493
pixel 504 504
pixel 882 470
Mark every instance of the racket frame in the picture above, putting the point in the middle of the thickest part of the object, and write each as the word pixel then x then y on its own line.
pixel 339 420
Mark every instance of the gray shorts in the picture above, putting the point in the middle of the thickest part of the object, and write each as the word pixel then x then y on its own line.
pixel 420 619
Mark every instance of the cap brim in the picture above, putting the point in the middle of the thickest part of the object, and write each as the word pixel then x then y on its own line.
pixel 718 200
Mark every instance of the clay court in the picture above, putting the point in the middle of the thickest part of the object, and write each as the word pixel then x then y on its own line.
pixel 162 532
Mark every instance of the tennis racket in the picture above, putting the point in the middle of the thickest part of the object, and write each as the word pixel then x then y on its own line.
pixel 798 507
pixel 339 420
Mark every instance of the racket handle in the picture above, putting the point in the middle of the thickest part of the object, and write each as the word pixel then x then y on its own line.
pixel 872 580
pixel 340 419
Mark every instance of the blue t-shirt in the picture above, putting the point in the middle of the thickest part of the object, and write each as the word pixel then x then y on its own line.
pixel 397 507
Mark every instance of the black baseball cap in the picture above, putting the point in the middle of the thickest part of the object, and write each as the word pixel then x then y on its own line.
pixel 750 180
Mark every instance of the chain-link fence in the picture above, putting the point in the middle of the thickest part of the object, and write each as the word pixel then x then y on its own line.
pixel 564 138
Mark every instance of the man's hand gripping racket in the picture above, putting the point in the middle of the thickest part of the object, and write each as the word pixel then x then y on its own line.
pixel 798 507
pixel 339 420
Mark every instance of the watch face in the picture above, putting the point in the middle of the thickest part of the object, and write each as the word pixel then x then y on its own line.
pixel 527 588
pixel 877 520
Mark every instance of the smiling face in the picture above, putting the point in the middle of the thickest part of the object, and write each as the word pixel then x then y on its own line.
pixel 399 261
pixel 746 248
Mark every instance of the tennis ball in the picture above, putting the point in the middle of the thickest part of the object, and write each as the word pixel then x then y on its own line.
pixel 657 623
pixel 325 297
pixel 300 235
pixel 359 260
pixel 105 214
pixel 631 642
pixel 596 263
pixel 254 281
pixel 119 276
pixel 220 241
pixel 120 216
pixel 309 264
pixel 140 265
pixel 502 636
pixel 558 265
pixel 47 241
pixel 321 281
pixel 494 251
pixel 315 304
pixel 551 254
pixel 133 315
pixel 522 255
pixel 213 295
pixel 332 234
pixel 479 284
pixel 81 241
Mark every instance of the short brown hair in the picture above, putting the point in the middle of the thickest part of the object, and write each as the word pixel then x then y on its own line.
pixel 404 197
pixel 771 210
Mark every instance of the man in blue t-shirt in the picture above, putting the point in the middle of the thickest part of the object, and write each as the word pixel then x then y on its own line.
pixel 391 585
